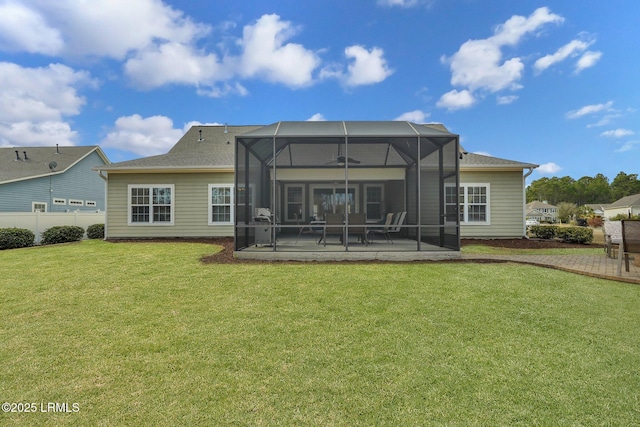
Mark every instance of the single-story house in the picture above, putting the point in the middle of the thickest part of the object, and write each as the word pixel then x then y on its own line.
pixel 629 205
pixel 598 209
pixel 212 181
pixel 542 211
pixel 51 179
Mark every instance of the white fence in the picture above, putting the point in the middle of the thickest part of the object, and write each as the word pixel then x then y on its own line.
pixel 40 221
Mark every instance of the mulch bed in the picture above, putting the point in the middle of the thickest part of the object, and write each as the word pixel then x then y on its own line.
pixel 225 256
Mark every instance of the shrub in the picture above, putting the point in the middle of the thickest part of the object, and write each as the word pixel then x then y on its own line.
pixel 544 231
pixel 12 238
pixel 575 234
pixel 62 234
pixel 595 221
pixel 95 231
pixel 620 217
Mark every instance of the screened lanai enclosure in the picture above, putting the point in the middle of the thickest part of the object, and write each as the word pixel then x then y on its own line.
pixel 355 186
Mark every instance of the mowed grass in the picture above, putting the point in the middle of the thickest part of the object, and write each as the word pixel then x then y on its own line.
pixel 144 334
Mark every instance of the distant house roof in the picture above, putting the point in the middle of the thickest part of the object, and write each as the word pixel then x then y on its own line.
pixel 539 205
pixel 201 148
pixel 626 202
pixel 41 161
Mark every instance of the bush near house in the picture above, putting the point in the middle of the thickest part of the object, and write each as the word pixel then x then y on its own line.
pixel 62 234
pixel 95 231
pixel 544 231
pixel 620 217
pixel 575 234
pixel 13 238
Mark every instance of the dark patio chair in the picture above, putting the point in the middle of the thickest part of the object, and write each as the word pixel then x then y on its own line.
pixel 333 226
pixel 630 242
pixel 397 222
pixel 357 226
pixel 384 230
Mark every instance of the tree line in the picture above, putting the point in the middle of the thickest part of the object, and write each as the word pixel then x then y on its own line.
pixel 586 190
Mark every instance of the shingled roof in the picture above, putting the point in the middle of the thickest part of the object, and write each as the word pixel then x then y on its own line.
pixel 201 148
pixel 41 161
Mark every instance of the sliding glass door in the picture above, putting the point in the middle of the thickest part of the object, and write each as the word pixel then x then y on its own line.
pixel 327 198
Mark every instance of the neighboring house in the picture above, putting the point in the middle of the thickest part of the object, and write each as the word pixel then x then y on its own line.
pixel 629 205
pixel 51 179
pixel 542 211
pixel 189 192
pixel 597 209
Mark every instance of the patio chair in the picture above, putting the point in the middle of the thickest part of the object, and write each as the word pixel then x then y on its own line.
pixel 357 227
pixel 399 220
pixel 630 242
pixel 384 231
pixel 333 226
pixel 612 231
pixel 304 228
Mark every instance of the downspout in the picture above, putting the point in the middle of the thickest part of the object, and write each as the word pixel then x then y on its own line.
pixel 106 189
pixel 524 201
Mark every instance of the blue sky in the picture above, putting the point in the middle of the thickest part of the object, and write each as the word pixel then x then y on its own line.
pixel 554 83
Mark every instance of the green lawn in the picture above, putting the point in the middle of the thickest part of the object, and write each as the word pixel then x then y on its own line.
pixel 144 334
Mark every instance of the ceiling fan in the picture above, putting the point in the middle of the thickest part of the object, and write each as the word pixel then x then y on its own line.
pixel 340 160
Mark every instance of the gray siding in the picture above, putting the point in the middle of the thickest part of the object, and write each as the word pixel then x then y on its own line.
pixel 191 206
pixel 79 183
pixel 506 207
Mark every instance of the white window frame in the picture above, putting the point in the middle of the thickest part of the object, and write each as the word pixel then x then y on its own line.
pixel 463 208
pixel 366 201
pixel 33 206
pixel 76 202
pixel 91 203
pixel 231 204
pixel 303 214
pixel 151 222
pixel 59 201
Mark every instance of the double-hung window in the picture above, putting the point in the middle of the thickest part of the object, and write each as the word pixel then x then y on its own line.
pixel 221 204
pixel 473 203
pixel 151 204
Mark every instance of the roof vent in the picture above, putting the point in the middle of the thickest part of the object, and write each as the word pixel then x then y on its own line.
pixel 226 130
pixel 57 151
pixel 18 155
pixel 25 156
pixel 52 165
pixel 200 131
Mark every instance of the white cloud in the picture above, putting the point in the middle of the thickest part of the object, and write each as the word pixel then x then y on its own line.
pixel 35 101
pixel 174 63
pixel 589 109
pixel 415 116
pixel 589 59
pixel 572 48
pixel 628 146
pixel 505 100
pixel 400 3
pixel 143 136
pixel 83 26
pixel 43 133
pixel 366 66
pixel 455 100
pixel 17 24
pixel 548 169
pixel 318 117
pixel 617 133
pixel 266 55
pixel 479 64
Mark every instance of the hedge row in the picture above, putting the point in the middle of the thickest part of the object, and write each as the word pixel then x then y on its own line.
pixel 13 238
pixel 566 234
